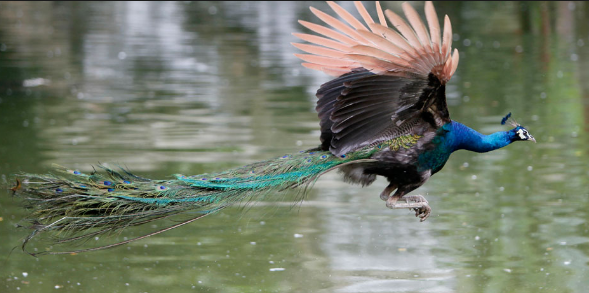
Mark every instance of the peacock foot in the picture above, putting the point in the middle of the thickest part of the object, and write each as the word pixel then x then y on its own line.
pixel 424 211
pixel 416 202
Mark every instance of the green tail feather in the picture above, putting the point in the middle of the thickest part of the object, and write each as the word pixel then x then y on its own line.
pixel 75 206
pixel 69 203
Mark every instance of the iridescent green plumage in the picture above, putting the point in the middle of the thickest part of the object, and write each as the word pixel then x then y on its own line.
pixel 70 203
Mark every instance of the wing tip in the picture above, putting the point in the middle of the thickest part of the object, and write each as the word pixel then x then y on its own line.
pixel 410 40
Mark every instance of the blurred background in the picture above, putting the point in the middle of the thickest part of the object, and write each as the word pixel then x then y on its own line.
pixel 193 87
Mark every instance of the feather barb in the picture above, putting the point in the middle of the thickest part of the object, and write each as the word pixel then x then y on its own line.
pixel 406 47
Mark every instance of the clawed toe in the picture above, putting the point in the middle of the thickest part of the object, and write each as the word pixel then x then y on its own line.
pixel 423 212
pixel 416 202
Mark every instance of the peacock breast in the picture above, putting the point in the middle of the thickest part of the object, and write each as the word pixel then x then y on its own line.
pixel 436 153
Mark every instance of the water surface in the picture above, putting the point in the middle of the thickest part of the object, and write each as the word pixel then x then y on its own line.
pixel 193 87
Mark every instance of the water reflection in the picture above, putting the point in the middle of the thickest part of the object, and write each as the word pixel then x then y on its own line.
pixel 202 86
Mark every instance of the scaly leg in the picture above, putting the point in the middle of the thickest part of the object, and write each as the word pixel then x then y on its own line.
pixel 419 203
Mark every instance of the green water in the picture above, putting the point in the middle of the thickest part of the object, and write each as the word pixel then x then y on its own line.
pixel 196 87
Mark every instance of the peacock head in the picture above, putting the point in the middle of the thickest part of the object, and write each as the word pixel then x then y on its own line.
pixel 519 132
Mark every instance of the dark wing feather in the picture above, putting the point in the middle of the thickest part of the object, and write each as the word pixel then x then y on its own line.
pixel 376 108
pixel 327 95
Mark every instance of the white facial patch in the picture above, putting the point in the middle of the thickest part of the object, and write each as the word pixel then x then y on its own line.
pixel 522 134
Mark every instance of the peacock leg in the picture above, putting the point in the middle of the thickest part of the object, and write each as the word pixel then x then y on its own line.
pixel 386 193
pixel 419 204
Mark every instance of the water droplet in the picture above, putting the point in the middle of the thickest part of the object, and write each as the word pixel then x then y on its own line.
pixel 574 57
pixel 277 269
pixel 572 6
pixel 122 55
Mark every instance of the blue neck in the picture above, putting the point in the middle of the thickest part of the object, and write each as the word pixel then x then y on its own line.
pixel 464 137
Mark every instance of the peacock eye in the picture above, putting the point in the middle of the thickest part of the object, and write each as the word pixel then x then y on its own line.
pixel 522 134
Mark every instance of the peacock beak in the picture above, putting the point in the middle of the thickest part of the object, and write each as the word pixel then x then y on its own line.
pixel 532 139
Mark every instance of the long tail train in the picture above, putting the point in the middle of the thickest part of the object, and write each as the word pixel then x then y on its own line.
pixel 74 206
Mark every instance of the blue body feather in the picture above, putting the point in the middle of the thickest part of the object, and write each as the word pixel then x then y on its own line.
pixel 455 136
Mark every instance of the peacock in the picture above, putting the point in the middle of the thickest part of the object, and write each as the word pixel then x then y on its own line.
pixel 383 114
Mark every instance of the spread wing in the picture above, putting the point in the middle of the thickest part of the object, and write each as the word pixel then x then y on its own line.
pixel 387 79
